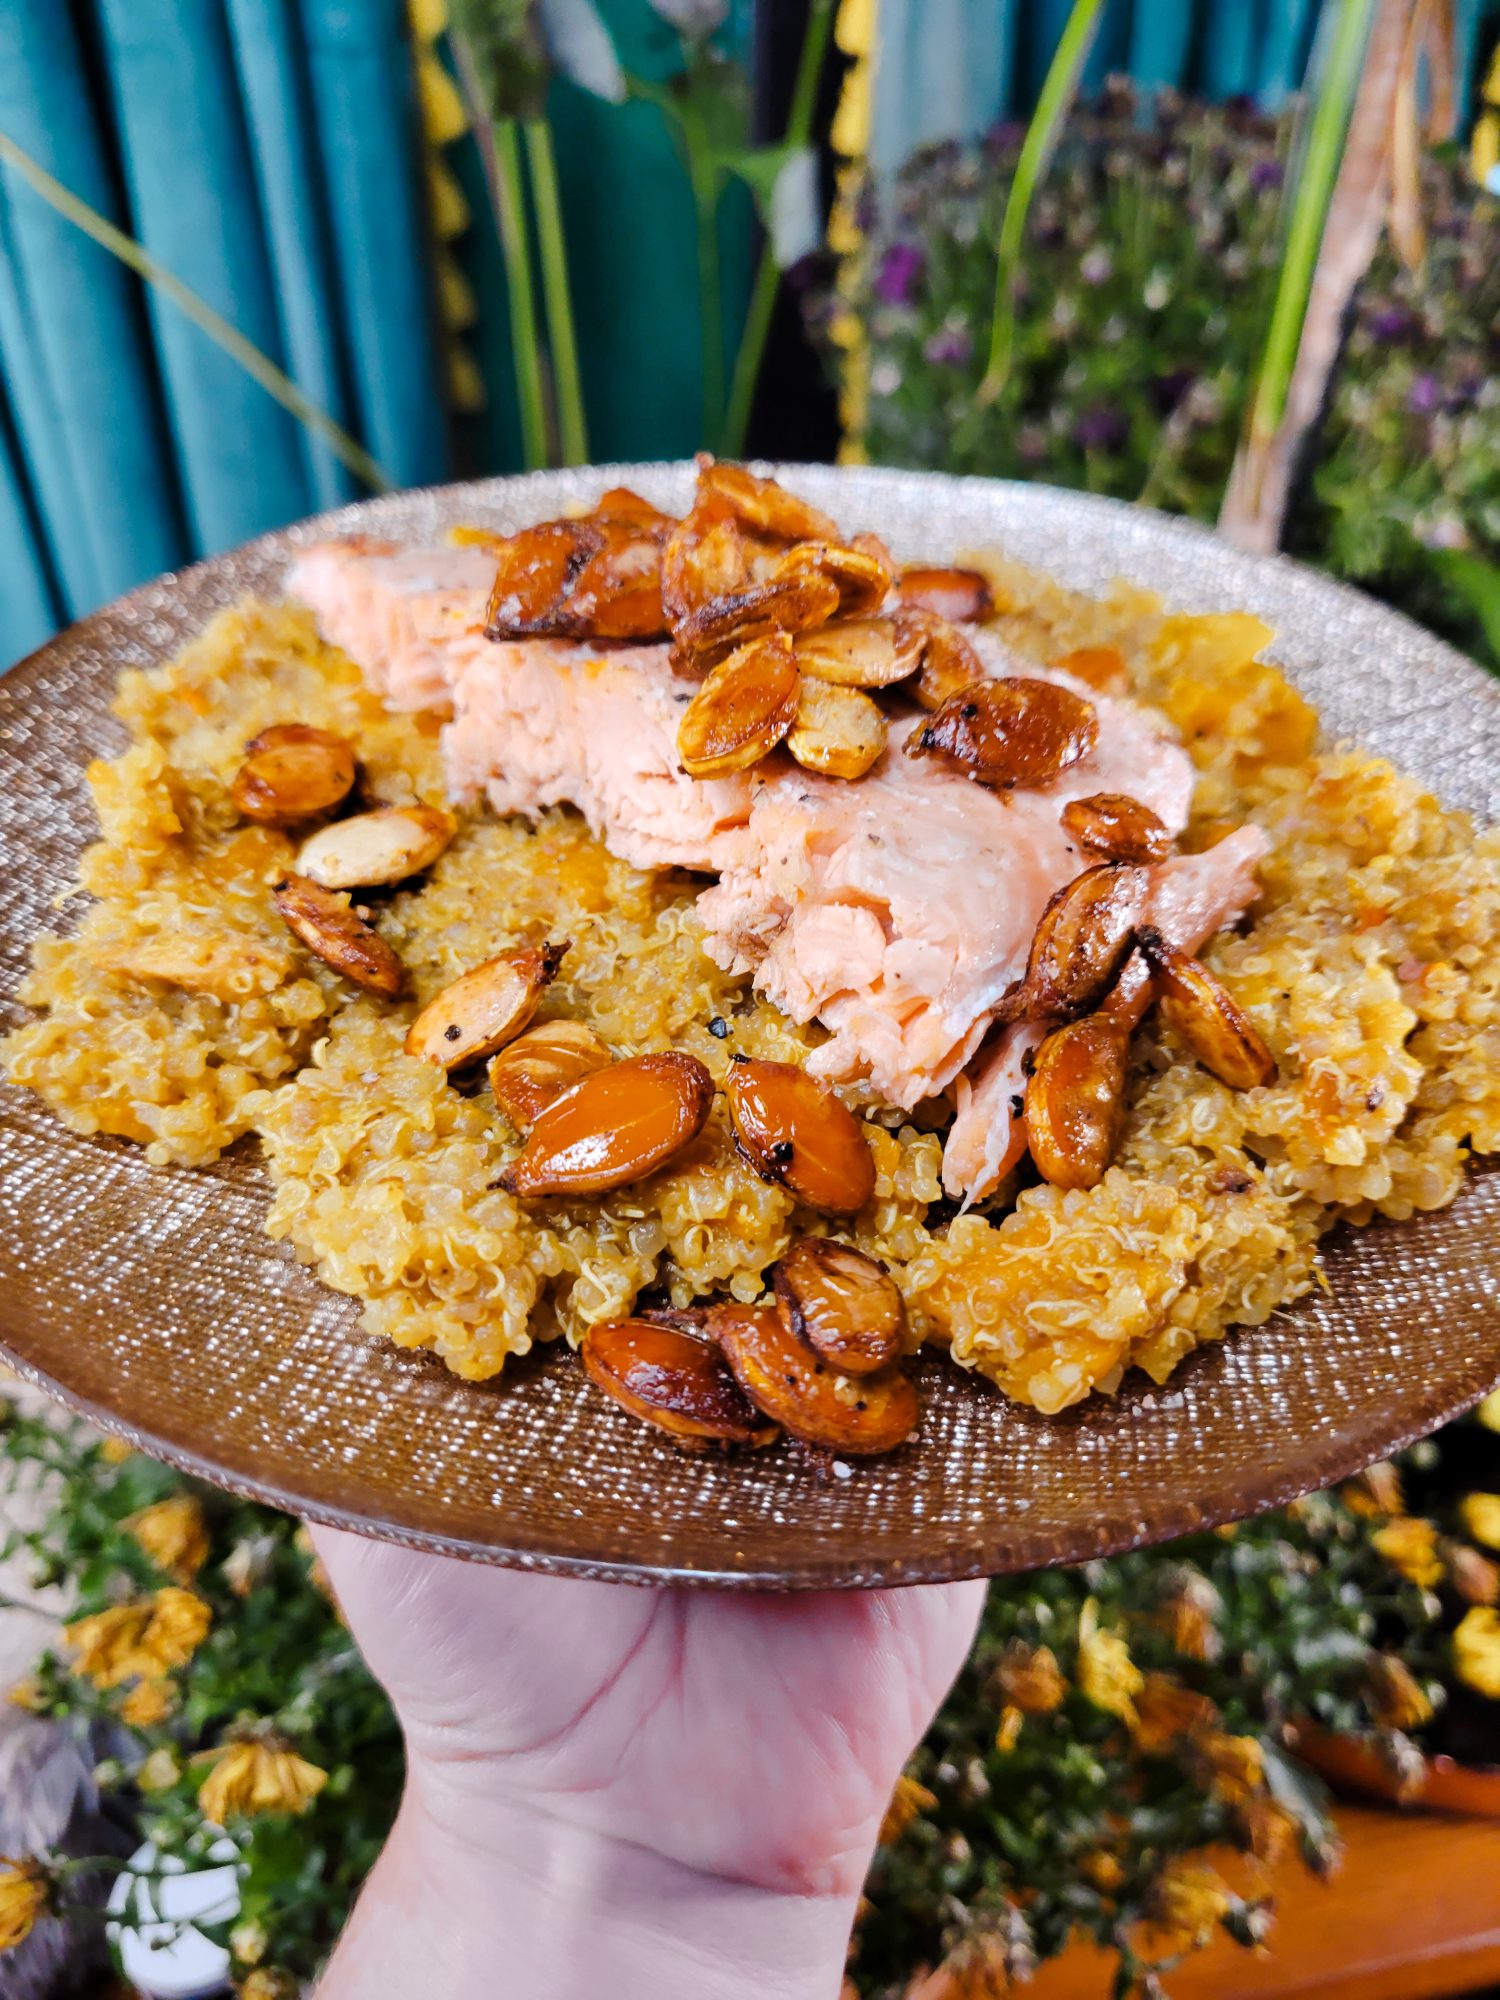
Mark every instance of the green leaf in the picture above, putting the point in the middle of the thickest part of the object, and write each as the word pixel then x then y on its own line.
pixel 1477 582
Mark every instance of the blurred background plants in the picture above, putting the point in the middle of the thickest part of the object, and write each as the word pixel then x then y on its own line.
pixel 1118 1759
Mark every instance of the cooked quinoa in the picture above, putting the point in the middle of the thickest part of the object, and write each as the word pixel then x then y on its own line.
pixel 1371 968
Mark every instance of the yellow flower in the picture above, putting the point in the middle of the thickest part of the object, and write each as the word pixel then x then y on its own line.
pixel 908 1802
pixel 258 1777
pixel 1410 1545
pixel 1101 1870
pixel 115 1451
pixel 147 1638
pixel 1008 1735
pixel 428 18
pixel 1476 1650
pixel 174 1534
pixel 27 1694
pixel 269 1983
pixel 1107 1675
pixel 159 1772
pixel 1488 1412
pixel 1397 1698
pixel 23 1898
pixel 1234 1766
pixel 1030 1679
pixel 444 115
pixel 249 1942
pixel 1188 1618
pixel 1480 1514
pixel 1166 1710
pixel 148 1703
pixel 1188 1899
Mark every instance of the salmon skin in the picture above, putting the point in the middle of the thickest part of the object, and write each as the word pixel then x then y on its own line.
pixel 895 909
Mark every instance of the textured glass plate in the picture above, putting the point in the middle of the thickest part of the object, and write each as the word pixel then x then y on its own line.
pixel 153 1302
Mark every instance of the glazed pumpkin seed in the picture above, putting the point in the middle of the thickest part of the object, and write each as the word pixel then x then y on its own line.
pixel 842 1303
pixel 742 711
pixel 798 1389
pixel 1011 732
pixel 1212 1023
pixel 484 1008
pixel 937 653
pixel 227 967
pixel 1102 668
pixel 373 848
pixel 613 1127
pixel 1085 935
pixel 863 577
pixel 541 1064
pixel 1117 827
pixel 706 555
pixel 839 731
pixel 717 628
pixel 292 771
pixel 338 935
pixel 795 1129
pixel 1075 1101
pixel 762 504
pixel 856 652
pixel 680 1383
pixel 962 595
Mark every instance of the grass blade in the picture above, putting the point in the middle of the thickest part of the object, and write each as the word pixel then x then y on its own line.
pixel 562 337
pixel 258 366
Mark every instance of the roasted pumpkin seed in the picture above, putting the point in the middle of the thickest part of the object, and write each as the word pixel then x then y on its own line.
pixel 742 711
pixel 1011 732
pixel 1085 935
pixel 1208 1018
pixel 762 504
pixel 535 571
pixel 613 1127
pixel 227 967
pixel 794 603
pixel 841 1302
pixel 797 1388
pixel 484 1008
pixel 1075 1100
pixel 292 772
pixel 373 848
pixel 1102 668
pixel 962 595
pixel 1118 827
pixel 839 731
pixel 541 1064
pixel 795 1129
pixel 706 555
pixel 863 578
pixel 856 652
pixel 680 1383
pixel 338 935
pixel 937 653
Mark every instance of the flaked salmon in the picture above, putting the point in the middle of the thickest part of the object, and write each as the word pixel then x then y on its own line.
pixel 896 910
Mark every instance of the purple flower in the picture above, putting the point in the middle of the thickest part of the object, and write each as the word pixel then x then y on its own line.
pixel 1424 395
pixel 1265 175
pixel 1167 391
pixel 1391 323
pixel 949 347
pixel 1100 429
pixel 900 268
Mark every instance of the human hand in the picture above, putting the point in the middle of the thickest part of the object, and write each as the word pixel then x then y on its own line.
pixel 713 1765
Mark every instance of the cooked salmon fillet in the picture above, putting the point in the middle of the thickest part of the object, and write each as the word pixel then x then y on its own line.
pixel 896 910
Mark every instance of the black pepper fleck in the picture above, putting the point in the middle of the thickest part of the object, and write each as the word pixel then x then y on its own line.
pixel 452 1032
pixel 1017 1104
pixel 719 1028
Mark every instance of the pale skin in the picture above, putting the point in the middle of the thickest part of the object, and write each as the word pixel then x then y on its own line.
pixel 625 1794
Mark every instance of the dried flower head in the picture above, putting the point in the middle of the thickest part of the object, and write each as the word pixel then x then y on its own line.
pixel 174 1534
pixel 24 1894
pixel 1029 1678
pixel 1107 1676
pixel 908 1803
pixel 1008 1735
pixel 1165 1711
pixel 1189 1609
pixel 1187 1900
pixel 1410 1545
pixel 1397 1699
pixel 268 1982
pixel 115 1451
pixel 1474 1577
pixel 147 1704
pixel 1476 1650
pixel 1232 1768
pixel 158 1772
pixel 262 1775
pixel 249 1942
pixel 1375 1491
pixel 1265 1828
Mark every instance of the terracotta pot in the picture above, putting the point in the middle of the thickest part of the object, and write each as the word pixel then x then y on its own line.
pixel 1354 1764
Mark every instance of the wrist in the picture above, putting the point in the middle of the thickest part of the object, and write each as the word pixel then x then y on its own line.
pixel 502 1898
